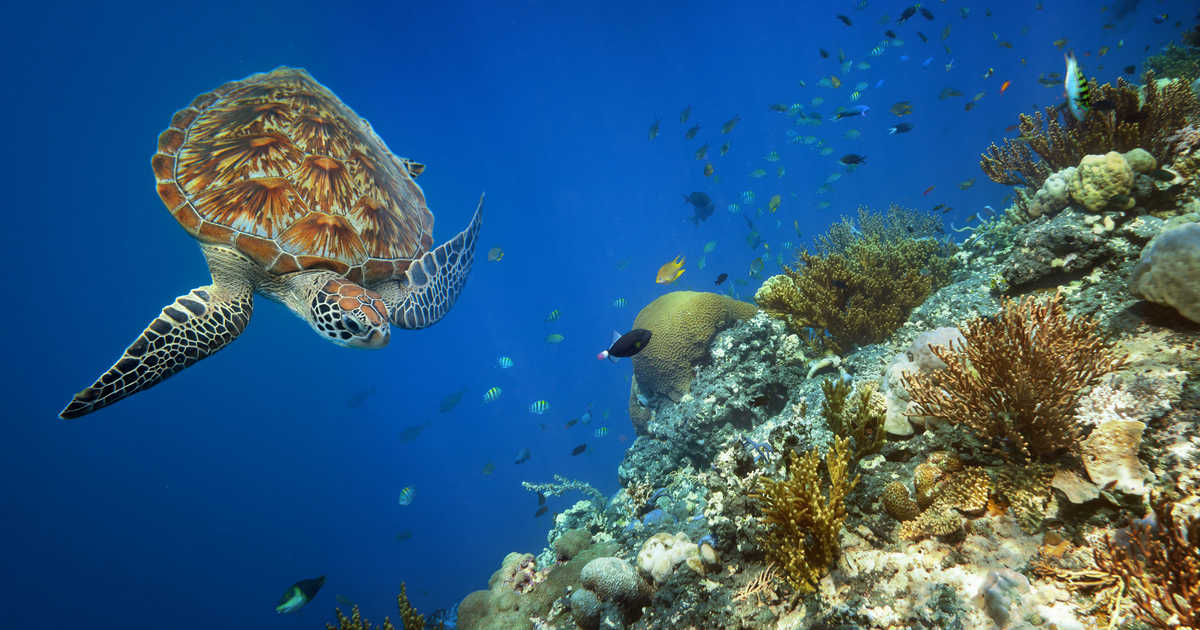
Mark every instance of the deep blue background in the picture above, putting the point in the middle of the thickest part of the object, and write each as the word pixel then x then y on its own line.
pixel 195 504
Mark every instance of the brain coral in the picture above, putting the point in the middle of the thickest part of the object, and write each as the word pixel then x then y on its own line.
pixel 683 324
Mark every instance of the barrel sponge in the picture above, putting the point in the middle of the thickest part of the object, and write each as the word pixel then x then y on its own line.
pixel 1169 270
pixel 1103 182
pixel 683 324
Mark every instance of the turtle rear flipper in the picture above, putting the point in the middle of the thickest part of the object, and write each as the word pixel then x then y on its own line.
pixel 191 328
pixel 427 290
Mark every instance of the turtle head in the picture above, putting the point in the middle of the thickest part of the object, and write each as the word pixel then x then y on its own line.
pixel 348 314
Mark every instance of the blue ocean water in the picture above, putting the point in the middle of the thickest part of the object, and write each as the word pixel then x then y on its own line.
pixel 196 503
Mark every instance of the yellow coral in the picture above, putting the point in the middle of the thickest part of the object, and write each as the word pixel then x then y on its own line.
pixel 408 616
pixel 858 295
pixel 683 324
pixel 803 522
pixel 860 418
pixel 1103 182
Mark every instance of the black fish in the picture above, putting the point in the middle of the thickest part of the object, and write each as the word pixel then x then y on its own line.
pixel 922 36
pixel 626 345
pixel 847 114
pixel 702 206
pixel 909 12
pixel 571 423
pixel 721 278
pixel 845 20
pixel 901 128
pixel 1162 175
pixel 824 55
pixel 890 34
pixel 853 158
pixel 540 511
pixel 579 449
pixel 926 13
pixel 1130 69
pixel 451 401
pixel 541 499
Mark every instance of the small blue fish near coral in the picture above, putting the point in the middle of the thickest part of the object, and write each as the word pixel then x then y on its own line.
pixel 504 362
pixel 601 432
pixel 539 407
pixel 299 594
pixel 492 394
pixel 406 496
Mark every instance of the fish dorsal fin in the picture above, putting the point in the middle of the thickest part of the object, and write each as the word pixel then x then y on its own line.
pixel 615 336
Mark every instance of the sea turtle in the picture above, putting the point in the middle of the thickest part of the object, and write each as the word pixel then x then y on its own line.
pixel 293 196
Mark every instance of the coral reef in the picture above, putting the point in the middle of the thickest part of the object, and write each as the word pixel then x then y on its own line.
pixel 684 323
pixel 859 295
pixel 1177 62
pixel 1134 118
pixel 804 522
pixel 753 371
pixel 1020 376
pixel 409 617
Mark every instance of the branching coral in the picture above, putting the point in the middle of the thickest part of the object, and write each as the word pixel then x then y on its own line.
pixel 408 616
pixel 897 223
pixel 1121 118
pixel 860 418
pixel 860 295
pixel 1020 376
pixel 562 485
pixel 1160 566
pixel 803 522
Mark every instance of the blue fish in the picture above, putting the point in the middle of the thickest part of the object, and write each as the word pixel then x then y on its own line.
pixel 491 394
pixel 406 495
pixel 539 407
pixel 504 362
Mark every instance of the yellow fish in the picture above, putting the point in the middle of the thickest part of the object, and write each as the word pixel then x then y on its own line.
pixel 835 81
pixel 708 170
pixel 773 205
pixel 671 271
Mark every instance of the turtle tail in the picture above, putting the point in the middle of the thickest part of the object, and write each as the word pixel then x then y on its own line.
pixel 432 283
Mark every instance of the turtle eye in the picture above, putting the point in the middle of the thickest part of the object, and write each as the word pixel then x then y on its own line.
pixel 351 324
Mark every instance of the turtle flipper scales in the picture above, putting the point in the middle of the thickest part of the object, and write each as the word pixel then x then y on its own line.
pixel 191 328
pixel 432 283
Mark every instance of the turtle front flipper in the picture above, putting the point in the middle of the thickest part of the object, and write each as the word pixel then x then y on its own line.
pixel 191 328
pixel 427 290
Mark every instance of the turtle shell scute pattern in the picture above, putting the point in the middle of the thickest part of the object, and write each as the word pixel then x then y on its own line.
pixel 276 166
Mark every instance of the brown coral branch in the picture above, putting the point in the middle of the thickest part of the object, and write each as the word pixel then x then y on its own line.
pixel 1019 377
pixel 1160 564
